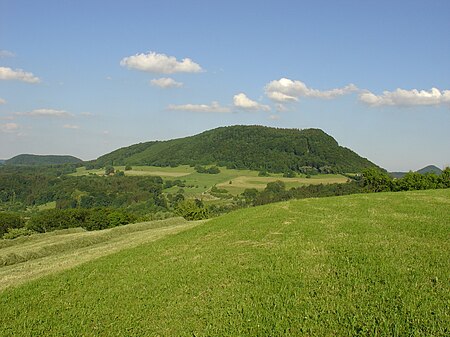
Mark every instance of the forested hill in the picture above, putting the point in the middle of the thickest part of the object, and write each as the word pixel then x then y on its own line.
pixel 33 159
pixel 245 147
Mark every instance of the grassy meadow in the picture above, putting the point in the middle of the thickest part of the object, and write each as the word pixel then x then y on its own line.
pixel 359 265
pixel 200 183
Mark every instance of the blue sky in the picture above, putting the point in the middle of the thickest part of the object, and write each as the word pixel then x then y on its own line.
pixel 86 77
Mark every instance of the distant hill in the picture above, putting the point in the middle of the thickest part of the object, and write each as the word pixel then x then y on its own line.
pixel 430 169
pixel 245 147
pixel 427 169
pixel 33 159
pixel 2 161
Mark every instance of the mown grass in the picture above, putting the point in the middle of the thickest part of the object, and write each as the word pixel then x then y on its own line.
pixel 26 258
pixel 359 265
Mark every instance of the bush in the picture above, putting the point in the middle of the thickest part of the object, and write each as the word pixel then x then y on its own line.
pixel 89 219
pixel 10 220
pixel 17 232
pixel 289 174
pixel 192 209
pixel 263 173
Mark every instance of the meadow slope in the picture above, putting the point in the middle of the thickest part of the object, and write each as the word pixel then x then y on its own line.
pixel 375 264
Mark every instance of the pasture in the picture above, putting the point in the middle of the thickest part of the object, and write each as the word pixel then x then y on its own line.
pixel 358 265
pixel 199 183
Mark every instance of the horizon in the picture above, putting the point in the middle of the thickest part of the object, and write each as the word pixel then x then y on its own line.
pixel 86 160
pixel 86 78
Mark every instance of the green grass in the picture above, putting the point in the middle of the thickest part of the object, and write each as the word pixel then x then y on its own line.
pixel 359 265
pixel 27 258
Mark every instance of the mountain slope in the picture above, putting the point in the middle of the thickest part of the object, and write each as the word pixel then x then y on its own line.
pixel 245 147
pixel 33 159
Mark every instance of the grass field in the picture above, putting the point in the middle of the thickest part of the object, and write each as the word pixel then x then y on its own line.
pixel 359 265
pixel 27 258
pixel 199 183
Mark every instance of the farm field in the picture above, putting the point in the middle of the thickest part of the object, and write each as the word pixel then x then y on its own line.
pixel 198 183
pixel 367 264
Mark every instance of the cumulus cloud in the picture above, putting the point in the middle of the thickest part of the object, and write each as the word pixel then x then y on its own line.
pixel 166 82
pixel 406 98
pixel 274 117
pixel 286 90
pixel 2 101
pixel 213 107
pixel 71 126
pixel 18 75
pixel 46 113
pixel 241 101
pixel 9 127
pixel 6 53
pixel 160 64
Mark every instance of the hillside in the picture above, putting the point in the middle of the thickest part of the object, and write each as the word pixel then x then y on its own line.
pixel 34 159
pixel 245 147
pixel 360 265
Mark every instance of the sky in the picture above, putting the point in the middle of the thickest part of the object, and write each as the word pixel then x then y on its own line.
pixel 87 77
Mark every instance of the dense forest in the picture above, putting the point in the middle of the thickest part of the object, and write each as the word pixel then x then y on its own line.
pixel 33 159
pixel 245 147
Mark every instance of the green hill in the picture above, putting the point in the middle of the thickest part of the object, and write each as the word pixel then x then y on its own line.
pixel 245 147
pixel 427 169
pixel 34 159
pixel 360 265
pixel 430 169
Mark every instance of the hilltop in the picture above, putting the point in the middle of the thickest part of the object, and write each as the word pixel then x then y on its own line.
pixel 427 169
pixel 430 169
pixel 245 147
pixel 34 159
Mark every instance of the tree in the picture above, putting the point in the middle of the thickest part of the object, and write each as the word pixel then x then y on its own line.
pixel 192 209
pixel 375 180
pixel 109 170
pixel 10 220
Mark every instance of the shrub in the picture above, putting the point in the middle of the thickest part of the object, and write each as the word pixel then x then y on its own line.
pixel 10 220
pixel 17 232
pixel 192 209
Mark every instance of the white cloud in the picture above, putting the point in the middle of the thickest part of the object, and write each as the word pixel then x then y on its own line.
pixel 2 101
pixel 213 107
pixel 241 101
pixel 86 114
pixel 166 82
pixel 406 98
pixel 6 53
pixel 281 107
pixel 160 63
pixel 18 74
pixel 71 126
pixel 274 117
pixel 46 113
pixel 286 90
pixel 9 127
